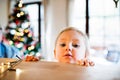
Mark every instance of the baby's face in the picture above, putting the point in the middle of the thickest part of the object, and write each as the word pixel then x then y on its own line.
pixel 70 47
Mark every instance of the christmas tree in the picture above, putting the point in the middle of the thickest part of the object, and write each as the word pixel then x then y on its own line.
pixel 19 32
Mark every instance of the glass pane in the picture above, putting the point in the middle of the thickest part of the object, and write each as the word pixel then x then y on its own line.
pixel 96 26
pixel 80 24
pixel 33 13
pixel 102 8
pixel 109 8
pixel 97 40
pixel 96 7
pixel 79 8
pixel 35 28
pixel 77 14
pixel 104 23
pixel 112 26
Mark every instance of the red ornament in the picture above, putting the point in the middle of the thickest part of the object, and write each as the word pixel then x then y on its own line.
pixel 17 22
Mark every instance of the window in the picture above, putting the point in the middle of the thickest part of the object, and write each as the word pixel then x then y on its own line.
pixel 34 11
pixel 104 21
pixel 77 14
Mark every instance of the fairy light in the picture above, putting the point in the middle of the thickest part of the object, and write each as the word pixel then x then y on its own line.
pixel 26 31
pixel 20 3
pixel 20 29
pixel 12 32
pixel 22 39
pixel 21 13
pixel 15 37
pixel 10 42
pixel 19 45
pixel 18 14
pixel 29 35
pixel 31 48
pixel 25 25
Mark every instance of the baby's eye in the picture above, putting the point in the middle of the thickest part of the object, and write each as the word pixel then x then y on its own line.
pixel 76 45
pixel 63 44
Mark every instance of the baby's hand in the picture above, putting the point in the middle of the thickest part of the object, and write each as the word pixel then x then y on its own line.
pixel 85 62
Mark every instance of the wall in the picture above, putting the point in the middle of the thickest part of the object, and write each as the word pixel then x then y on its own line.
pixel 56 19
pixel 3 13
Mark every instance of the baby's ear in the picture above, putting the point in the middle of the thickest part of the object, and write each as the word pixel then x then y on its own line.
pixel 54 53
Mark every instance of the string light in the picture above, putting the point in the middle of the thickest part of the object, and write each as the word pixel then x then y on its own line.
pixel 20 4
pixel 26 30
pixel 12 32
pixel 20 29
pixel 18 14
pixel 29 35
pixel 10 42
pixel 21 39
pixel 19 45
pixel 31 48
pixel 21 13
pixel 25 25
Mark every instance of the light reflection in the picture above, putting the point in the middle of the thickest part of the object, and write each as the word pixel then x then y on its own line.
pixel 8 65
pixel 18 72
pixel 3 67
pixel 2 64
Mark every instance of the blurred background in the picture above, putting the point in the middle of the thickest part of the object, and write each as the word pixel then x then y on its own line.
pixel 33 25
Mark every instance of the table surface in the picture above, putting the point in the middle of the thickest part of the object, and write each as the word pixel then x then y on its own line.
pixel 43 70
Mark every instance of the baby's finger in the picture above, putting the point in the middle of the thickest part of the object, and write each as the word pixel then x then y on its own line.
pixel 80 62
pixel 91 63
pixel 86 62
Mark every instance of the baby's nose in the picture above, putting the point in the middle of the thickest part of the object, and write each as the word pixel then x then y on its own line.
pixel 69 48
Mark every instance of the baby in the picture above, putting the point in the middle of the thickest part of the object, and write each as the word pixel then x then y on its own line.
pixel 72 46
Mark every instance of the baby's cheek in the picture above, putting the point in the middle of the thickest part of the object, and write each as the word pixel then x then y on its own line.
pixel 59 53
pixel 80 55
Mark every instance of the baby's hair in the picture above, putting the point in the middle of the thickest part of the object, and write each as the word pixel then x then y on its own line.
pixel 77 30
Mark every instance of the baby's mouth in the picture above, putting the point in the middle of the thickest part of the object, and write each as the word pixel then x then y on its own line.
pixel 69 55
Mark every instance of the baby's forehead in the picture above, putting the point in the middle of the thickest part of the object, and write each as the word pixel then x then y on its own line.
pixel 71 37
pixel 71 33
